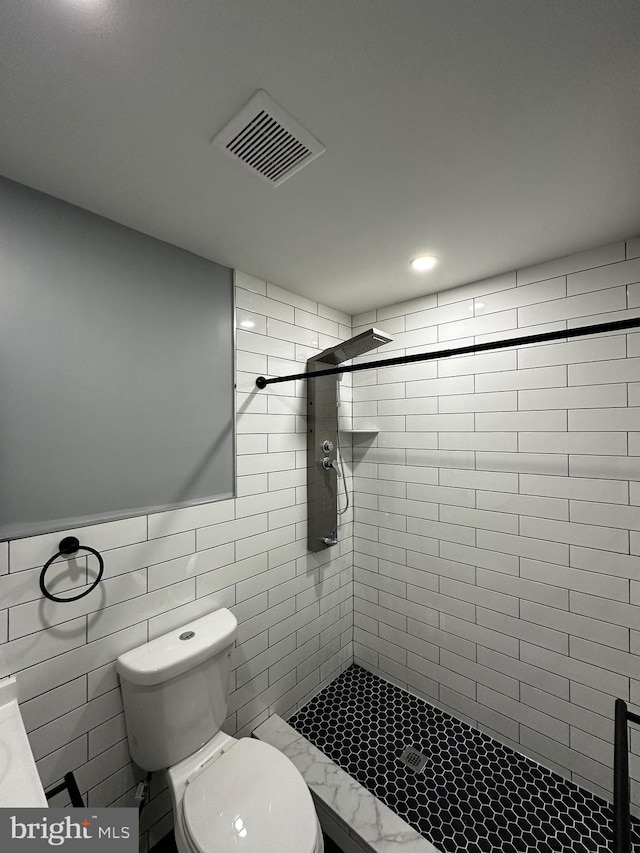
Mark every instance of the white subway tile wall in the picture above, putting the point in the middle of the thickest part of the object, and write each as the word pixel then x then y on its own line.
pixel 497 558
pixel 491 564
pixel 294 609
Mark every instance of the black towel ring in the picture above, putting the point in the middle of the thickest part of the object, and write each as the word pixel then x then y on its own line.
pixel 69 545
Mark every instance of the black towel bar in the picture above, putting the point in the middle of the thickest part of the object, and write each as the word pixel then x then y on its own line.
pixel 68 546
pixel 621 809
pixel 69 785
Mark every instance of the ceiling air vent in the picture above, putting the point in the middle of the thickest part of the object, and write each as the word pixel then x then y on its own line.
pixel 268 140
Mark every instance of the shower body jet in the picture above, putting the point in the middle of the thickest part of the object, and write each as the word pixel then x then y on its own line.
pixel 322 434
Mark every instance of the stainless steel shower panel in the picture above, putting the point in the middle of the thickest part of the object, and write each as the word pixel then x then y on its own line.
pixel 322 483
pixel 322 437
pixel 357 345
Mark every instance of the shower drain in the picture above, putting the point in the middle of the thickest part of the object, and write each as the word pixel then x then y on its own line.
pixel 413 759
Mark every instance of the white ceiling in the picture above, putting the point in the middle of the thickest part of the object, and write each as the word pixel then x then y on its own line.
pixel 491 133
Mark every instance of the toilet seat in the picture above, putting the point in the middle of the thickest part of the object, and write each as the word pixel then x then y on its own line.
pixel 250 799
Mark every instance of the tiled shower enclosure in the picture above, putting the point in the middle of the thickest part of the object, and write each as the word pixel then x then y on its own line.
pixel 460 789
pixel 497 510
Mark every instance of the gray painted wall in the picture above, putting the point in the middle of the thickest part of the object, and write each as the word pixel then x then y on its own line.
pixel 116 366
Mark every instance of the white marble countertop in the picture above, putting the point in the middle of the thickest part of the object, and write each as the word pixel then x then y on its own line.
pixel 369 819
pixel 20 785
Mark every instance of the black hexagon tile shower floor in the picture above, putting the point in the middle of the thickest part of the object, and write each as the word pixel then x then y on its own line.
pixel 473 796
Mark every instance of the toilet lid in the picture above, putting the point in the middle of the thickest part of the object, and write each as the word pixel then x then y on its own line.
pixel 252 799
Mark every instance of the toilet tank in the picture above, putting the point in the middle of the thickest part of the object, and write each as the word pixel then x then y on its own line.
pixel 175 690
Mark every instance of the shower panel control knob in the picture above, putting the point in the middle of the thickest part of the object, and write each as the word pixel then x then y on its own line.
pixel 327 446
pixel 328 464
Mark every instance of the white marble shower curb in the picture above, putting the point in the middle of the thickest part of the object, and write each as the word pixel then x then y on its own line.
pixel 353 817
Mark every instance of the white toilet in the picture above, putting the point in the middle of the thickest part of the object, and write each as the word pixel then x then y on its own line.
pixel 229 794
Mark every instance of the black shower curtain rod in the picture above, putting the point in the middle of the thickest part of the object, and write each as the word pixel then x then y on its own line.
pixel 599 328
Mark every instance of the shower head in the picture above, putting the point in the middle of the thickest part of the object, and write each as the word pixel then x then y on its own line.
pixel 357 345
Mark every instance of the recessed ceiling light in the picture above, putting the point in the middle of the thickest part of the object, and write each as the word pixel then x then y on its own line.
pixel 424 263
